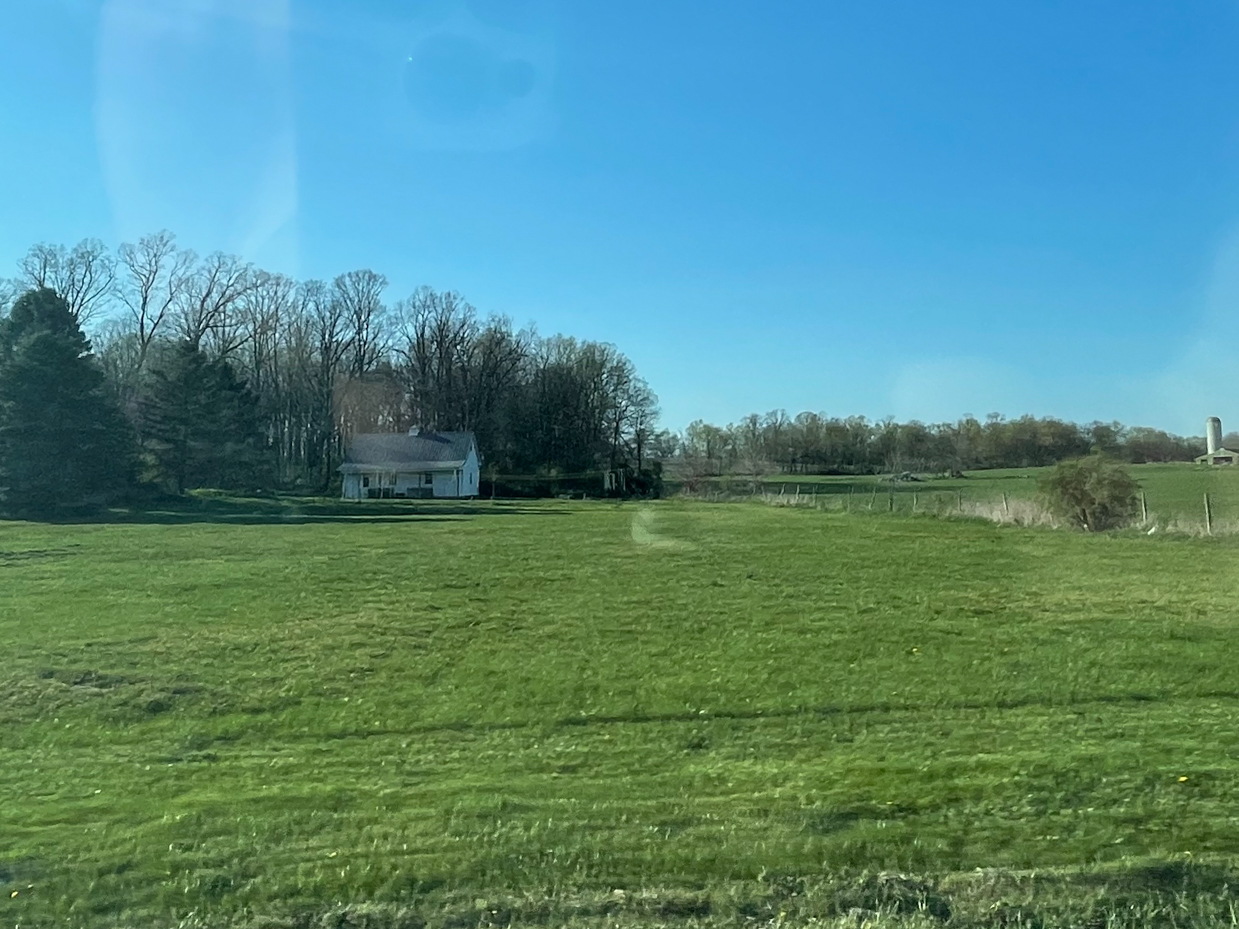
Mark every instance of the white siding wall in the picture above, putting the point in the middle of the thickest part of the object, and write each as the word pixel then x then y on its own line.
pixel 469 475
pixel 449 483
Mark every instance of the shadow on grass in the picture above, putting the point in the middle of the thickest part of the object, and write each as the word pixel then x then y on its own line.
pixel 279 510
pixel 51 554
pixel 701 716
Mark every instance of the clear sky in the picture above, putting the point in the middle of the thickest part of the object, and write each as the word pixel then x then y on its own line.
pixel 920 209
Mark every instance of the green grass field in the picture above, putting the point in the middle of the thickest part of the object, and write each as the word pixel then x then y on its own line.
pixel 258 712
pixel 1172 491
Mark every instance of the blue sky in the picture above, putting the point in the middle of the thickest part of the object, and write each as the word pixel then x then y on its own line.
pixel 909 209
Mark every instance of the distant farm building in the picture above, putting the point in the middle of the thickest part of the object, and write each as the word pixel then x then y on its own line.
pixel 412 464
pixel 1216 454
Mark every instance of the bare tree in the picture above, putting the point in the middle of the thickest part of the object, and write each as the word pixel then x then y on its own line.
pixel 359 299
pixel 493 364
pixel 9 292
pixel 266 313
pixel 156 273
pixel 84 277
pixel 262 311
pixel 323 360
pixel 619 377
pixel 119 352
pixel 631 410
pixel 208 311
pixel 712 446
pixel 642 420
pixel 437 332
pixel 39 264
pixel 328 327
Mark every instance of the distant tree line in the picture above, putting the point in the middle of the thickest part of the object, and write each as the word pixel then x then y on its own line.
pixel 813 443
pixel 226 375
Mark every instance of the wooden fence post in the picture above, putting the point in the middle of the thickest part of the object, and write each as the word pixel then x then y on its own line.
pixel 1006 504
pixel 873 497
pixel 1208 515
pixel 890 502
pixel 959 500
pixel 1144 508
pixel 914 501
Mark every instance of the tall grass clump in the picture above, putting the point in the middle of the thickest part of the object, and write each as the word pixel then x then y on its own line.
pixel 1093 493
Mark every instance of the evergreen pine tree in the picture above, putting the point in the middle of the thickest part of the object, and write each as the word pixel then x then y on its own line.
pixel 63 440
pixel 175 415
pixel 200 423
pixel 243 460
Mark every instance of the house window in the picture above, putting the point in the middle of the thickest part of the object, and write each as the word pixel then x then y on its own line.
pixel 365 480
pixel 430 478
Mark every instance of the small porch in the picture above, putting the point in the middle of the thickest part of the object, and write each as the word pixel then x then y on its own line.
pixel 410 485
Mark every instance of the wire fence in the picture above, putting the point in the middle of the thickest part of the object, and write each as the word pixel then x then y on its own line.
pixel 1213 514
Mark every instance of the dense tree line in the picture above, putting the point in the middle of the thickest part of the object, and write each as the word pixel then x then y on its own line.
pixel 813 443
pixel 210 372
pixel 231 376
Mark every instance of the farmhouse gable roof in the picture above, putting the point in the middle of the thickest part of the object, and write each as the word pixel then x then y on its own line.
pixel 398 451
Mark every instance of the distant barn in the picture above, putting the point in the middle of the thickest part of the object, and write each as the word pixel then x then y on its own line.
pixel 1215 453
pixel 412 464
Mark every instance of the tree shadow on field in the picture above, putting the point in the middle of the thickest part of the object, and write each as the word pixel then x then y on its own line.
pixel 286 510
pixel 38 554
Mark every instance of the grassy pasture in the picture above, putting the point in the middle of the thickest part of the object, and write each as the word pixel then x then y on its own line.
pixel 1173 491
pixel 278 707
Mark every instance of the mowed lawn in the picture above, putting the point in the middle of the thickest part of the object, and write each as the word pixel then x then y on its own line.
pixel 260 708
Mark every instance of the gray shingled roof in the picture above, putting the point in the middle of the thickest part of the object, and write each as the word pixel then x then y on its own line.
pixel 426 451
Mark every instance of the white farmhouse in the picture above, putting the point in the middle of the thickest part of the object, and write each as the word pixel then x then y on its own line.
pixel 412 464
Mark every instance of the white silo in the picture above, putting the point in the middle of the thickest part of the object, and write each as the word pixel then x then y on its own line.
pixel 1213 434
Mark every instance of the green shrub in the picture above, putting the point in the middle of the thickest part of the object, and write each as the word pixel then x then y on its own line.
pixel 1093 493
